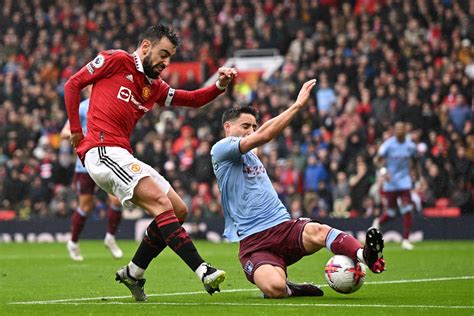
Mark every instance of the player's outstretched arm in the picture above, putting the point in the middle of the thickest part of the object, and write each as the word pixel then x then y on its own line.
pixel 199 97
pixel 276 125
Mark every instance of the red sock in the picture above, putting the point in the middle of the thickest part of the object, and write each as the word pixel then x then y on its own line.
pixel 178 239
pixel 77 224
pixel 384 218
pixel 151 246
pixel 346 245
pixel 407 224
pixel 115 217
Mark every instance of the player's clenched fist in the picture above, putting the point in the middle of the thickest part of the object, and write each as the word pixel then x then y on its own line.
pixel 225 76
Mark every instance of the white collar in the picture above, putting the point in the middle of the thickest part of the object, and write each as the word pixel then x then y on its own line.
pixel 139 66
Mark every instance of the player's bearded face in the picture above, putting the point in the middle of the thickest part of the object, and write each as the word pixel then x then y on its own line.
pixel 150 69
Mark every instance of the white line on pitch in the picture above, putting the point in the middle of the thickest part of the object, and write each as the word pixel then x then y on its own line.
pixel 85 299
pixel 271 305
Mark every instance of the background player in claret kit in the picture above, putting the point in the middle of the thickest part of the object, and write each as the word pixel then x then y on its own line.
pixel 125 87
pixel 396 155
pixel 254 215
pixel 85 186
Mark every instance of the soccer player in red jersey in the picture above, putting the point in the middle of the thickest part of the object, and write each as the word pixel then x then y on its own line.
pixel 125 87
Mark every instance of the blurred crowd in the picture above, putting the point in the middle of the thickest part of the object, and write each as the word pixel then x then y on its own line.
pixel 376 61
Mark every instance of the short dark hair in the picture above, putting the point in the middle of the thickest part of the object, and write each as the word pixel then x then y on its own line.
pixel 156 32
pixel 235 112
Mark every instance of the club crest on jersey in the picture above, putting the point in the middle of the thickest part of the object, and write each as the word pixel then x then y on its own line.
pixel 146 93
pixel 248 268
pixel 135 168
pixel 98 61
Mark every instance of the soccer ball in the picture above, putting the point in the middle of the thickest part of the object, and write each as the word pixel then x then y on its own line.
pixel 344 275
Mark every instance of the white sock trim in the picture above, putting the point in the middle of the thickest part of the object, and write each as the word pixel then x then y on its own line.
pixel 116 208
pixel 201 270
pixel 360 256
pixel 135 271
pixel 81 212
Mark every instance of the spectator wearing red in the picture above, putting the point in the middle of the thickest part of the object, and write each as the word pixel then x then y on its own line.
pixel 186 138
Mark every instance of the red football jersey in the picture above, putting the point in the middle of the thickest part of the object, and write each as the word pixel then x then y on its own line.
pixel 121 94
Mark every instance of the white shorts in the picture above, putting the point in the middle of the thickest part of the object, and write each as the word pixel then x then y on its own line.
pixel 116 171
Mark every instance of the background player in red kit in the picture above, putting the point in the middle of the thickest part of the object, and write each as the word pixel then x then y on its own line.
pixel 126 86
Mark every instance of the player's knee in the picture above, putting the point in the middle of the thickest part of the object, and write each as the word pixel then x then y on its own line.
pixel 86 207
pixel 163 201
pixel 275 288
pixel 318 233
pixel 181 211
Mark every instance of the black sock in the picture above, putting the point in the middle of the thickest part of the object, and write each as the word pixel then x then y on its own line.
pixel 178 239
pixel 151 246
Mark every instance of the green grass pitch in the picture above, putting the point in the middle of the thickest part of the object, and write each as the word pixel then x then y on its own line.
pixel 437 278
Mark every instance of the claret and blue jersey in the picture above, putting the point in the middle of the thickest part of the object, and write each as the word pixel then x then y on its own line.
pixel 397 161
pixel 249 200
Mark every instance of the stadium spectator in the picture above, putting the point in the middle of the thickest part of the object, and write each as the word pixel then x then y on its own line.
pixel 460 114
pixel 341 197
pixel 359 183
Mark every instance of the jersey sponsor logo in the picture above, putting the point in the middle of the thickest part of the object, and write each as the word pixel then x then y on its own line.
pixel 253 171
pixel 137 104
pixel 124 94
pixel 90 69
pixel 135 168
pixel 146 93
pixel 98 61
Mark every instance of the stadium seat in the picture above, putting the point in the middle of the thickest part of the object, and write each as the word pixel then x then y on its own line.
pixel 7 215
pixel 442 212
pixel 442 202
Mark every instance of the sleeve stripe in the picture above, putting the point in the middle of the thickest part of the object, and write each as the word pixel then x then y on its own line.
pixel 169 97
